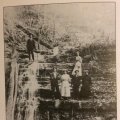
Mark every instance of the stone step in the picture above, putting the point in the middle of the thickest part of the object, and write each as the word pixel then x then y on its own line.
pixel 95 83
pixel 76 104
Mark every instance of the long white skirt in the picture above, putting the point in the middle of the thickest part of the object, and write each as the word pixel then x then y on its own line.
pixel 65 89
pixel 78 66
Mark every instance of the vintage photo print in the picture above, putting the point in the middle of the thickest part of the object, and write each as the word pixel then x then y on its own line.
pixel 60 61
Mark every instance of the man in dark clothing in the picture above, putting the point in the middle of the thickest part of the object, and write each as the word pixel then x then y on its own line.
pixel 77 84
pixel 85 90
pixel 54 83
pixel 31 47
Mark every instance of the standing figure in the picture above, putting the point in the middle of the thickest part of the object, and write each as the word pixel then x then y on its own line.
pixel 54 83
pixel 65 85
pixel 78 65
pixel 31 47
pixel 55 50
pixel 77 84
pixel 85 90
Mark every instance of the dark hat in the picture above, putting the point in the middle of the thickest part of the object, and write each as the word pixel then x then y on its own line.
pixel 76 71
pixel 30 35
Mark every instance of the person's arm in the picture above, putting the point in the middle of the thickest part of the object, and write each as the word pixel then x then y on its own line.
pixel 62 78
pixel 90 80
pixel 51 77
pixel 72 79
pixel 81 59
pixel 69 79
pixel 58 76
pixel 80 81
pixel 27 45
pixel 80 86
pixel 34 45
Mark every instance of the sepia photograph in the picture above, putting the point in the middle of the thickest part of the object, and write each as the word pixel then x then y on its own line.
pixel 60 61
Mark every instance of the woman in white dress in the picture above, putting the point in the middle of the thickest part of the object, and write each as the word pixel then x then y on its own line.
pixel 65 85
pixel 78 65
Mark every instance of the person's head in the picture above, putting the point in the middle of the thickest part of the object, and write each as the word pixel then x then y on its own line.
pixel 55 69
pixel 86 72
pixel 65 71
pixel 31 37
pixel 77 72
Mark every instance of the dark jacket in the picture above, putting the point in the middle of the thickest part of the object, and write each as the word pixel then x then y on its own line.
pixel 86 86
pixel 54 80
pixel 30 45
pixel 86 81
pixel 76 81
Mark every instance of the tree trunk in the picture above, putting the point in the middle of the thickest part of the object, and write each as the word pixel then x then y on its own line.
pixel 13 87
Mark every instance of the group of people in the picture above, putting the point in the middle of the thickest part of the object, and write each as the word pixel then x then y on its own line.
pixel 78 83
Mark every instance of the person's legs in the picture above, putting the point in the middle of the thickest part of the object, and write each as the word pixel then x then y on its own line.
pixel 29 54
pixel 57 91
pixel 77 92
pixel 53 90
pixel 32 54
pixel 74 92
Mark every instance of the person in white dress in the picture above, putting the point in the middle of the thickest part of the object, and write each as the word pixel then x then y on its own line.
pixel 78 65
pixel 65 85
pixel 55 51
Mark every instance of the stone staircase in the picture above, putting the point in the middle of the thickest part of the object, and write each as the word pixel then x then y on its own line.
pixel 103 86
pixel 103 98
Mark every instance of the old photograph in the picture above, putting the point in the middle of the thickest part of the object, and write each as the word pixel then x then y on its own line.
pixel 60 61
